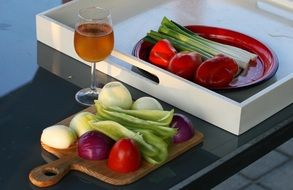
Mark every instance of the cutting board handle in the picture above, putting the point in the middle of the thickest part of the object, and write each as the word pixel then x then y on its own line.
pixel 51 173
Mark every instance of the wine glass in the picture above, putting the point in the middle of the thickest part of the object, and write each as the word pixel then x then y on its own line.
pixel 93 42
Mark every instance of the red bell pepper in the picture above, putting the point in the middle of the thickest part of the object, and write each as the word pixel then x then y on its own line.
pixel 162 53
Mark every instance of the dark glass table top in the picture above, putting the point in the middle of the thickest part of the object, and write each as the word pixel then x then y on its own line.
pixel 37 88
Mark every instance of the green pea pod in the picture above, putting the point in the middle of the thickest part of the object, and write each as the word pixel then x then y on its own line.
pixel 116 131
pixel 158 143
pixel 134 122
pixel 163 117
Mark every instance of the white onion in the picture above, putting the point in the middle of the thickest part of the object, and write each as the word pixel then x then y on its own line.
pixel 58 136
pixel 115 94
pixel 146 103
pixel 80 123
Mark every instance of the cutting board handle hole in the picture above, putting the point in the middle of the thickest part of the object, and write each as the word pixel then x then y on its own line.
pixel 50 172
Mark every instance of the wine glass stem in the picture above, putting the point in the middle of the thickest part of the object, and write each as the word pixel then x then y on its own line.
pixel 93 77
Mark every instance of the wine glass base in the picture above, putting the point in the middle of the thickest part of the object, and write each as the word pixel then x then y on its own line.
pixel 87 96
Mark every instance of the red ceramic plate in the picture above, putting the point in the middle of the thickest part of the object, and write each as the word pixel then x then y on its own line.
pixel 263 69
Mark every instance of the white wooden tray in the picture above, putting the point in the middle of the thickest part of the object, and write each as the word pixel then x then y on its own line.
pixel 133 18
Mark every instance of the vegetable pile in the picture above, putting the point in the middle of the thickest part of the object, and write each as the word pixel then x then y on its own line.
pixel 195 58
pixel 122 131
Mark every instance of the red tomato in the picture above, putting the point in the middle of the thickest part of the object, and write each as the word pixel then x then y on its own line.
pixel 124 156
pixel 184 64
pixel 216 72
pixel 162 53
pixel 231 65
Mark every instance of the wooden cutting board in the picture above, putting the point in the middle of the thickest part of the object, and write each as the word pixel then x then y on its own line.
pixel 51 173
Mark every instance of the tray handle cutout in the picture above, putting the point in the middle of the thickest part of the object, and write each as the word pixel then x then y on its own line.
pixel 157 76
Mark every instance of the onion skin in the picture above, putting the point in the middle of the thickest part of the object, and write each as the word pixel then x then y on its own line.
pixel 94 145
pixel 184 128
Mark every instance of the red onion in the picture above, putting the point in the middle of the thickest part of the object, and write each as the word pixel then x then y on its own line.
pixel 184 128
pixel 94 145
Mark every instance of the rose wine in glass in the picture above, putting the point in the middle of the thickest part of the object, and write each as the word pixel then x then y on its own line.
pixel 93 42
